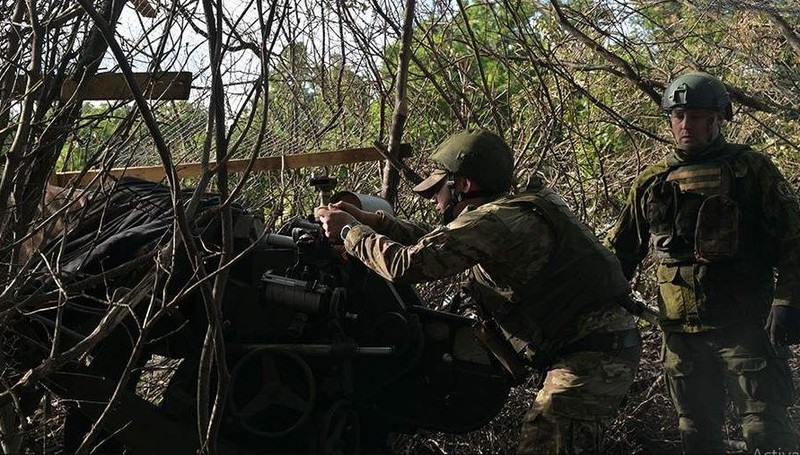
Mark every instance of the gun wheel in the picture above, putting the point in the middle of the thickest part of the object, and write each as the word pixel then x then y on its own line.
pixel 272 392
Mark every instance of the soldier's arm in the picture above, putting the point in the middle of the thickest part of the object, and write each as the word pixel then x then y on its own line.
pixel 443 252
pixel 399 230
pixel 630 235
pixel 402 231
pixel 781 219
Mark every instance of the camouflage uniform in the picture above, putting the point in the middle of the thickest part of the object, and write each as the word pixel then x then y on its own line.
pixel 719 222
pixel 550 286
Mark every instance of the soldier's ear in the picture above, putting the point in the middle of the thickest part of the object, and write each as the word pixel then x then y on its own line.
pixel 470 185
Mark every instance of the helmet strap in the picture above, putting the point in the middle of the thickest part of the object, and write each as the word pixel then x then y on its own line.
pixel 457 197
pixel 449 213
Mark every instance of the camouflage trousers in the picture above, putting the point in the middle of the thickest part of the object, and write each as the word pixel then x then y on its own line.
pixel 578 401
pixel 700 367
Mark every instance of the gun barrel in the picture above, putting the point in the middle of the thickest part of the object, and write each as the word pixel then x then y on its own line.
pixel 321 350
pixel 283 241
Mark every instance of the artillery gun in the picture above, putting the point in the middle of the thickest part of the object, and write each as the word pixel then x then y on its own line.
pixel 324 355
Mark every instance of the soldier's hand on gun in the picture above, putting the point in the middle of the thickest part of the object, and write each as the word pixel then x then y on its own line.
pixel 349 208
pixel 333 219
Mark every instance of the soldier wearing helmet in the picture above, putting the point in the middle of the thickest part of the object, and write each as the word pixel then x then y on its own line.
pixel 721 221
pixel 481 157
pixel 536 272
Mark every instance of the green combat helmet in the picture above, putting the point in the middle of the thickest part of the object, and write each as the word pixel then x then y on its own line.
pixel 697 90
pixel 479 155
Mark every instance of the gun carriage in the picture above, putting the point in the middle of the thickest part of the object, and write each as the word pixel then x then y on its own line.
pixel 324 355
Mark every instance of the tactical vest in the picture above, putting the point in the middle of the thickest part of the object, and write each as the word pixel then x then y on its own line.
pixel 580 276
pixel 715 260
pixel 694 216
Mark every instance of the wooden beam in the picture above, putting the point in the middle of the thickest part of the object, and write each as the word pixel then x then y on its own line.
pixel 144 8
pixel 112 86
pixel 269 163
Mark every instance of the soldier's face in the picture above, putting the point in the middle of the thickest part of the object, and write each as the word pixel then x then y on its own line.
pixel 442 197
pixel 694 127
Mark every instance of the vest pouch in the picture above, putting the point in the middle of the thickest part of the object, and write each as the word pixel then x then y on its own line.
pixel 674 291
pixel 716 235
pixel 687 216
pixel 660 212
pixel 660 209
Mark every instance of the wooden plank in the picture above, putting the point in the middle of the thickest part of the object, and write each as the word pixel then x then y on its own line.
pixel 112 86
pixel 269 163
pixel 144 8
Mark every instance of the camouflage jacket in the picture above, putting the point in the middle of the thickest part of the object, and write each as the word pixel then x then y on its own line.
pixel 698 294
pixel 510 244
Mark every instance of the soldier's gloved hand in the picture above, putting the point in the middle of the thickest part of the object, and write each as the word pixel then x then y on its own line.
pixel 783 325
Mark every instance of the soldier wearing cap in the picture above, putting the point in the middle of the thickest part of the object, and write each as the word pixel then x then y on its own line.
pixel 720 220
pixel 534 269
